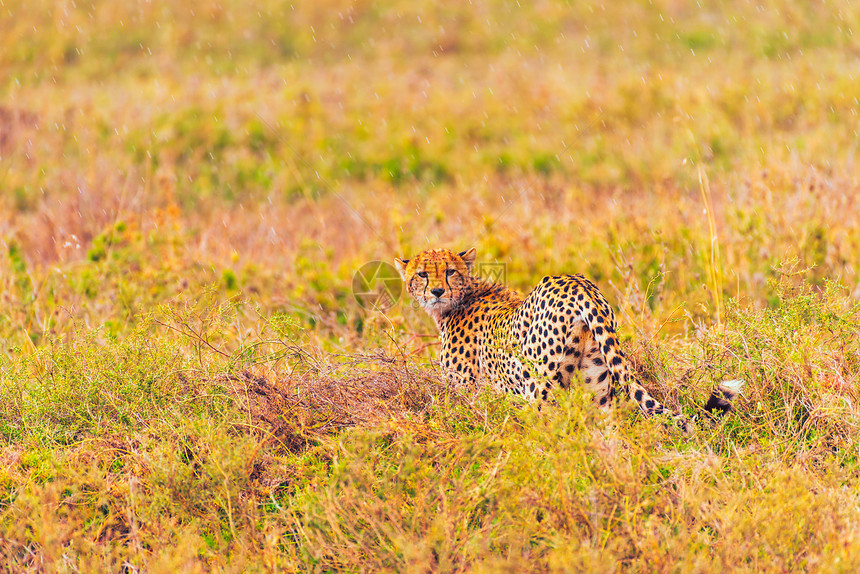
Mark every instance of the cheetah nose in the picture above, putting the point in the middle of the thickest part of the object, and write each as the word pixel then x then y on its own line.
pixel 437 291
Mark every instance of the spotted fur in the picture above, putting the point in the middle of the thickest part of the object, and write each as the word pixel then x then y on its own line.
pixel 528 345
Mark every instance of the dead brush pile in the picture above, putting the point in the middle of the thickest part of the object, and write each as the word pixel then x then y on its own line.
pixel 360 391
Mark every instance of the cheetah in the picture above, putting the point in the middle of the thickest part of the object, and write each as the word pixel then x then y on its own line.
pixel 527 345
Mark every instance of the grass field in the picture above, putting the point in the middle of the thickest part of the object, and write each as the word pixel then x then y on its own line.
pixel 187 383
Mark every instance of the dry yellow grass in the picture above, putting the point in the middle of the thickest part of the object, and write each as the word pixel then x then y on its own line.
pixel 186 190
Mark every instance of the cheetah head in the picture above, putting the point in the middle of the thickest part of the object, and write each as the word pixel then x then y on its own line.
pixel 438 278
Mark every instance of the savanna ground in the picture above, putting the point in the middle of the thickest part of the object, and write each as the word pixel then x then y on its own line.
pixel 186 190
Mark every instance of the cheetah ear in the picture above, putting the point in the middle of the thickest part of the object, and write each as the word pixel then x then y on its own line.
pixel 468 257
pixel 401 266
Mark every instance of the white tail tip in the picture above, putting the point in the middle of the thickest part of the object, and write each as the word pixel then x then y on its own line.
pixel 734 386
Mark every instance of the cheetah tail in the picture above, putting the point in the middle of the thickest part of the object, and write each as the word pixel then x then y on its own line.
pixel 721 397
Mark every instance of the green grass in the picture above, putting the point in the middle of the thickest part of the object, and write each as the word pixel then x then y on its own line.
pixel 186 192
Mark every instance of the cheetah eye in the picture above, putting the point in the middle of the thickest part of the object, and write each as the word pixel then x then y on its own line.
pixel 422 274
pixel 450 272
